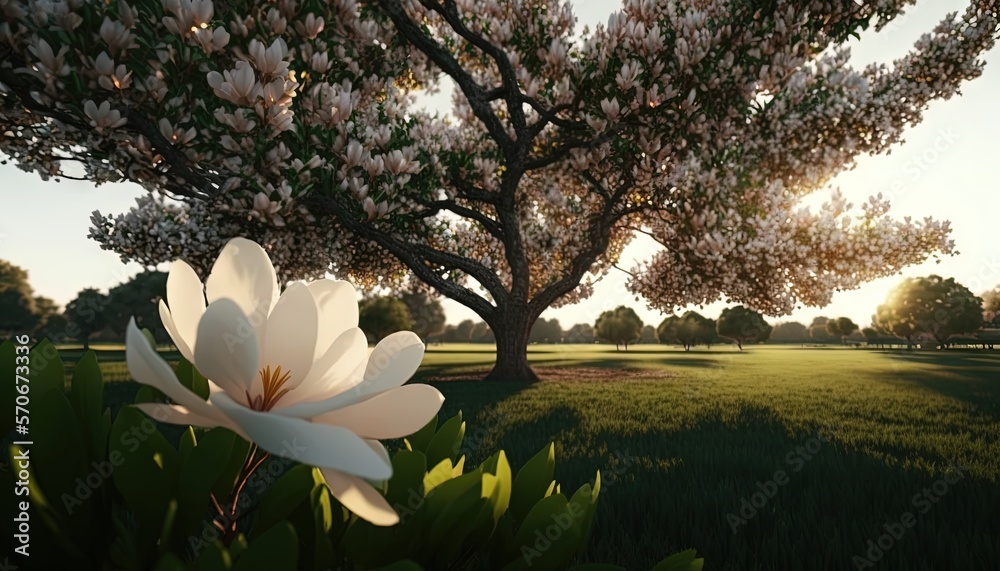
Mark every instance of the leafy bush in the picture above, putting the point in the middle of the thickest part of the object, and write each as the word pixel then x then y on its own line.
pixel 122 493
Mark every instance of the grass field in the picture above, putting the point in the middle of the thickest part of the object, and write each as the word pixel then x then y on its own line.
pixel 682 439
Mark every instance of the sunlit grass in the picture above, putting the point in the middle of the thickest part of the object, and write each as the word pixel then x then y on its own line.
pixel 682 437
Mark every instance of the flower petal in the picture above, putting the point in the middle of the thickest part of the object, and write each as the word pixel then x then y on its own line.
pixel 346 355
pixel 361 498
pixel 392 363
pixel 291 334
pixel 243 273
pixel 177 414
pixel 338 311
pixel 345 364
pixel 168 324
pixel 150 369
pixel 227 349
pixel 314 444
pixel 392 414
pixel 186 298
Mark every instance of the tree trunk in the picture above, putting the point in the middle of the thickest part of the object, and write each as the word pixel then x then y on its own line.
pixel 512 348
pixel 739 344
pixel 86 343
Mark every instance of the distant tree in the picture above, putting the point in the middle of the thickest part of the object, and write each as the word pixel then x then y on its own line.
pixel 138 297
pixel 933 306
pixel 818 331
pixel 648 335
pixel 620 326
pixel 743 325
pixel 86 315
pixel 380 317
pixel 463 331
pixel 18 310
pixel 790 332
pixel 688 330
pixel 481 333
pixel 991 307
pixel 427 317
pixel 580 333
pixel 448 334
pixel 871 334
pixel 55 328
pixel 545 331
pixel 46 309
pixel 841 327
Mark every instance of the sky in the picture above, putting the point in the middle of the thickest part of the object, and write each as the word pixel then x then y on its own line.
pixel 945 168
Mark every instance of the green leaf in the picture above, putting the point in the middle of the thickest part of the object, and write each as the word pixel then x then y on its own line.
pixel 406 487
pixel 47 371
pixel 213 557
pixel 192 379
pixel 438 475
pixel 58 459
pixel 497 466
pixel 225 484
pixel 149 394
pixel 419 440
pixel 285 495
pixel 533 482
pixel 446 441
pixel 147 468
pixel 87 397
pixel 683 561
pixel 276 548
pixel 149 337
pixel 548 538
pixel 199 471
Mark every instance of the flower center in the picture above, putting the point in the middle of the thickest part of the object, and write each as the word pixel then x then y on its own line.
pixel 273 382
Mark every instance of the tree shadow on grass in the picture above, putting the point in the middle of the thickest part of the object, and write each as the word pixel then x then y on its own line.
pixel 975 382
pixel 667 491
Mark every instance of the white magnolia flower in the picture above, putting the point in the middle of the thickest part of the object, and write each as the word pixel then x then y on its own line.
pixel 291 372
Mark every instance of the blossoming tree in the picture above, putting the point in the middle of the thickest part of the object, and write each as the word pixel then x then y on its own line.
pixel 293 122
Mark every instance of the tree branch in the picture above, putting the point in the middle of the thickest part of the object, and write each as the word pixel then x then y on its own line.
pixel 439 55
pixel 487 223
pixel 449 11
pixel 416 257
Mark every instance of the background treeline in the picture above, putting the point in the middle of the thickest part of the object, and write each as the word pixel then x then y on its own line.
pixel 929 311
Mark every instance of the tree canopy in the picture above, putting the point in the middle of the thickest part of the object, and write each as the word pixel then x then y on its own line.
pixel 932 306
pixel 20 310
pixel 580 333
pixel 688 330
pixel 991 307
pixel 701 124
pixel 841 327
pixel 138 298
pixel 619 326
pixel 546 331
pixel 382 316
pixel 427 317
pixel 743 325
pixel 790 332
pixel 87 314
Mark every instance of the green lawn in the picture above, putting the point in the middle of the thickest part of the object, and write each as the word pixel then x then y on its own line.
pixel 681 438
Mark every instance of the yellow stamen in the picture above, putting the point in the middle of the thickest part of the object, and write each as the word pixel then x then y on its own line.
pixel 273 382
